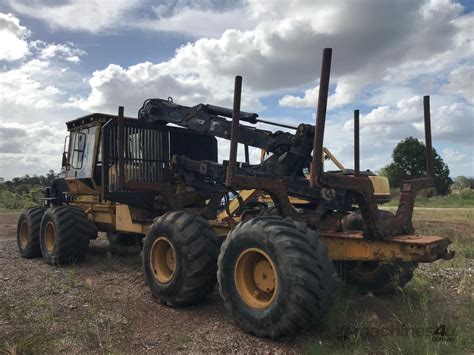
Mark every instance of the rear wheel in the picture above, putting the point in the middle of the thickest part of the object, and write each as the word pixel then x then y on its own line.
pixel 377 277
pixel 275 277
pixel 180 258
pixel 27 232
pixel 64 234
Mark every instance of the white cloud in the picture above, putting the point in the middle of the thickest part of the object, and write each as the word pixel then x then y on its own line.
pixel 283 52
pixel 454 123
pixel 27 86
pixel 461 82
pixel 451 123
pixel 79 15
pixel 453 155
pixel 67 51
pixel 30 148
pixel 309 99
pixel 129 87
pixel 459 163
pixel 347 89
pixel 194 18
pixel 199 22
pixel 32 94
pixel 38 80
pixel 12 38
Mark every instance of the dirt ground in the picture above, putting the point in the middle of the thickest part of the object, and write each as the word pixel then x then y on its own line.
pixel 103 305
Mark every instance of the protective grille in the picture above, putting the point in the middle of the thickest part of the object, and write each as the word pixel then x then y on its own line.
pixel 147 151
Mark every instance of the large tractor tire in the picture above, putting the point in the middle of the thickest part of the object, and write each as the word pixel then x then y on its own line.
pixel 275 276
pixel 28 231
pixel 378 277
pixel 180 258
pixel 381 278
pixel 64 234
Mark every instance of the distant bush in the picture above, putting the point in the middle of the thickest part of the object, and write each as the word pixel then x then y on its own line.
pixel 24 192
pixel 428 193
pixel 466 194
pixel 428 198
pixel 13 201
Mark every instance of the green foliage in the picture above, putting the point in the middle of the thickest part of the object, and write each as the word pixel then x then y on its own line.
pixel 463 199
pixel 409 161
pixel 24 192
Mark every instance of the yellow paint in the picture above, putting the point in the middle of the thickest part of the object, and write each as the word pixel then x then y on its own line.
pixel 163 260
pixel 402 248
pixel 86 198
pixel 381 185
pixel 234 204
pixel 76 186
pixel 124 223
pixel 24 231
pixel 50 237
pixel 256 278
pixel 336 162
pixel 293 200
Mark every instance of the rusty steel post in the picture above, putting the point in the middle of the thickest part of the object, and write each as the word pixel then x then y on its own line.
pixel 121 151
pixel 429 147
pixel 234 134
pixel 317 162
pixel 356 144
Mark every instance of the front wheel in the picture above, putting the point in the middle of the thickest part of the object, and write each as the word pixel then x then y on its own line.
pixel 275 277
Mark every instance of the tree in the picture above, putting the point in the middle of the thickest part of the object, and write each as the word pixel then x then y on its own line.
pixel 50 177
pixel 464 182
pixel 409 161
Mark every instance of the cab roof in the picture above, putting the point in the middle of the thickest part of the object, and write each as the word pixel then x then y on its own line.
pixel 91 118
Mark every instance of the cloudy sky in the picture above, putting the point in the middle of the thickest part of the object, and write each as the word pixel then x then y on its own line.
pixel 63 59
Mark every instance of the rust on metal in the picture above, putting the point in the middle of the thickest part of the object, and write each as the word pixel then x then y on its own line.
pixel 121 150
pixel 409 248
pixel 356 144
pixel 234 135
pixel 429 147
pixel 317 162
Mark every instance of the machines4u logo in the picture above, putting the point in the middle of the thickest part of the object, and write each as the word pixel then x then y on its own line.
pixel 443 333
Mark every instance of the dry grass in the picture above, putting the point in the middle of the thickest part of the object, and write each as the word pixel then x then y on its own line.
pixel 441 293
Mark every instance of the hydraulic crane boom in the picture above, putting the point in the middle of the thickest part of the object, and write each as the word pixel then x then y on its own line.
pixel 291 152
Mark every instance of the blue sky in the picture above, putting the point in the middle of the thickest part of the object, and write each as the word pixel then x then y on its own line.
pixel 62 59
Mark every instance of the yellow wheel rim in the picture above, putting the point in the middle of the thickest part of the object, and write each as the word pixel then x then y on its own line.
pixel 24 234
pixel 50 237
pixel 163 260
pixel 256 278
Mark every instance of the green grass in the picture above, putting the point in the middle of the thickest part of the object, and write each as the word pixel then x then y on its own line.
pixel 440 294
pixel 416 314
pixel 463 199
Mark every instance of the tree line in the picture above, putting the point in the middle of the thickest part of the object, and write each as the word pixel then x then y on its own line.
pixel 25 191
